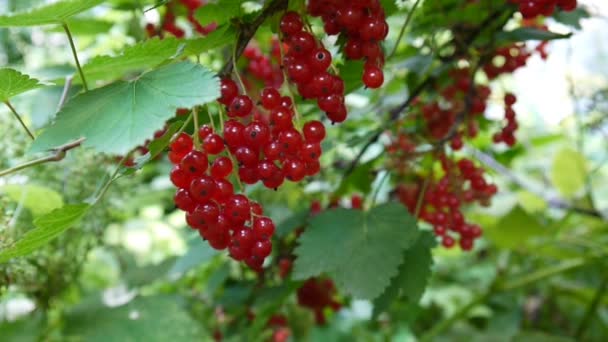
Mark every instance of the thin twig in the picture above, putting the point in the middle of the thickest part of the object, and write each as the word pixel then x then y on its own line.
pixel 58 154
pixel 558 203
pixel 18 117
pixel 408 18
pixel 66 90
pixel 592 309
pixel 248 30
pixel 73 47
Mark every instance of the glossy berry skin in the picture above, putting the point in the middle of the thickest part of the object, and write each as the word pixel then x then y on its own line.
pixel 213 143
pixel 221 167
pixel 229 90
pixel 237 209
pixel 319 59
pixel 180 178
pixel 223 190
pixel 261 249
pixel 233 133
pixel 263 228
pixel 182 143
pixel 194 163
pixel 183 200
pixel 294 169
pixel 256 135
pixel 270 98
pixel 373 77
pixel 314 131
pixel 291 23
pixel 202 188
pixel 240 106
pixel 301 43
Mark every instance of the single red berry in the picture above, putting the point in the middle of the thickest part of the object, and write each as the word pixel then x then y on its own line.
pixel 261 249
pixel 223 190
pixel 221 167
pixel 256 135
pixel 180 178
pixel 237 209
pixel 229 90
pixel 373 77
pixel 183 200
pixel 202 188
pixel 182 142
pixel 294 169
pixel 291 23
pixel 204 131
pixel 319 60
pixel 195 163
pixel 271 98
pixel 314 131
pixel 263 228
pixel 240 106
pixel 213 144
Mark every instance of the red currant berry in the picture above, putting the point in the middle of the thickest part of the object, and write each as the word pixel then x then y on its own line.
pixel 221 167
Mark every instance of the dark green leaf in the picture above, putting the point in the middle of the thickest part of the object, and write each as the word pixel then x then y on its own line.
pixel 572 18
pixel 122 115
pixel 360 251
pixel 198 253
pixel 47 228
pixel 351 73
pixel 413 276
pixel 529 33
pixel 292 223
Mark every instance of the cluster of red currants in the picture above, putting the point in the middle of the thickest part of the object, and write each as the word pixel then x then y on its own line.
pixel 316 295
pixel 168 22
pixel 306 62
pixel 223 218
pixel 442 201
pixel 261 67
pixel 507 135
pixel 274 151
pixel 533 8
pixel 506 60
pixel 364 27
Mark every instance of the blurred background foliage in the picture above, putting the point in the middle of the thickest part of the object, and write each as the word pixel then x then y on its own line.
pixel 133 271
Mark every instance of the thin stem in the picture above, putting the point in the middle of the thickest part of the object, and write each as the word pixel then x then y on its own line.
pixel 112 178
pixel 59 154
pixel 288 87
pixel 543 274
pixel 73 47
pixel 65 92
pixel 408 18
pixel 221 116
pixel 211 118
pixel 235 70
pixel 197 142
pixel 425 187
pixel 591 310
pixel 235 170
pixel 18 117
pixel 181 128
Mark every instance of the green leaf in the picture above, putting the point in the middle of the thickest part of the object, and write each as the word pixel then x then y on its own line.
pixel 25 329
pixel 389 6
pixel 568 172
pixel 515 229
pixel 55 13
pixel 120 116
pixel 47 228
pixel 360 251
pixel 351 73
pixel 413 276
pixel 14 83
pixel 156 318
pixel 30 196
pixel 529 33
pixel 198 253
pixel 85 26
pixel 141 56
pixel 220 12
pixel 221 37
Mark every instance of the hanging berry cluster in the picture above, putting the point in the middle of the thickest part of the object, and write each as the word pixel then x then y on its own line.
pixel 260 67
pixel 533 8
pixel 316 295
pixel 507 135
pixel 168 21
pixel 363 25
pixel 223 218
pixel 306 63
pixel 274 151
pixel 462 183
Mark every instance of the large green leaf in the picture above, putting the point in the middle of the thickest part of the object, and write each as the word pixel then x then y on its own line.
pixel 514 229
pixel 222 36
pixel 138 57
pixel 55 13
pixel 413 276
pixel 150 319
pixel 360 251
pixel 198 253
pixel 14 83
pixel 38 199
pixel 568 172
pixel 47 228
pixel 85 26
pixel 122 115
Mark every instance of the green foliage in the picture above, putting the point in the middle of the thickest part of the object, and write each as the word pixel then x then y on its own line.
pixel 220 12
pixel 360 250
pixel 85 26
pixel 568 172
pixel 38 199
pixel 14 83
pixel 155 318
pixel 48 227
pixel 118 117
pixel 413 276
pixel 515 229
pixel 55 13
pixel 529 33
